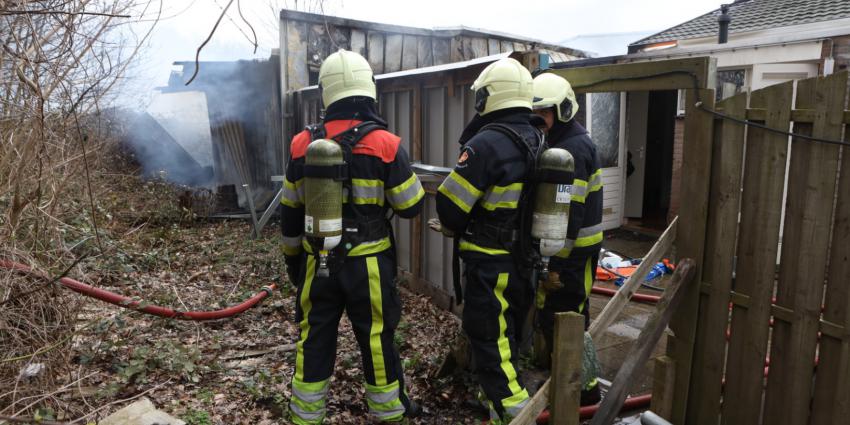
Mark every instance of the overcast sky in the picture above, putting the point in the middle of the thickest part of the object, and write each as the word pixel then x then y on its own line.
pixel 188 22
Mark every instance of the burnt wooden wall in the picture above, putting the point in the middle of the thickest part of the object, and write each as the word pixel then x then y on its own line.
pixel 306 39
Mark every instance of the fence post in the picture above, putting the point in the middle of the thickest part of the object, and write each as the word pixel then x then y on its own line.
pixel 566 368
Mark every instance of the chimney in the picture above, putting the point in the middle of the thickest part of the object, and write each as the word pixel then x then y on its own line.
pixel 724 19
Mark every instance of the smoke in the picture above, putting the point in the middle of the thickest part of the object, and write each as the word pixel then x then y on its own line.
pixel 223 129
pixel 161 156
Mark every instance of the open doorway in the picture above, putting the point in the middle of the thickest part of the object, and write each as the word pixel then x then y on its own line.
pixel 649 181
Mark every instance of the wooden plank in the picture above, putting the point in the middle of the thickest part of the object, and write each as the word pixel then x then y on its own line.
pixel 297 75
pixel 442 50
pixel 340 36
pixel 638 355
pixel 566 368
pixel 590 79
pixel 832 387
pixel 425 52
pixel 318 45
pixel 797 115
pixel 409 52
pixel 808 214
pixel 375 42
pixel 538 402
pixel 725 197
pixel 288 14
pixel 358 42
pixel 493 46
pixel 456 50
pixel 616 304
pixel 696 160
pixel 474 47
pixel 663 384
pixel 506 46
pixel 758 239
pixel 392 53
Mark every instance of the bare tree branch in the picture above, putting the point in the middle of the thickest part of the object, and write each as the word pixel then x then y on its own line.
pixel 209 37
pixel 59 12
pixel 239 8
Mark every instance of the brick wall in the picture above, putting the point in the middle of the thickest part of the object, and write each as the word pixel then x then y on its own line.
pixel 678 140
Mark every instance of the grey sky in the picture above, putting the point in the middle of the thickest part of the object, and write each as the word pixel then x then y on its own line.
pixel 177 38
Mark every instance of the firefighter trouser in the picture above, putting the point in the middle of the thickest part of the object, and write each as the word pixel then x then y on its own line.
pixel 496 301
pixel 364 287
pixel 576 275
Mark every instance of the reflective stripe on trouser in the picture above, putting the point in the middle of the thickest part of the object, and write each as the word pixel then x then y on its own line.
pixel 364 288
pixel 308 401
pixel 496 301
pixel 577 279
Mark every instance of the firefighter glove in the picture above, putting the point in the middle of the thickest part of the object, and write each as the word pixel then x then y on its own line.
pixel 552 282
pixel 436 226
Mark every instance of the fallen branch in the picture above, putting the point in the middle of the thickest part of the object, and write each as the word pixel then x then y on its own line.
pixel 257 353
pixel 22 420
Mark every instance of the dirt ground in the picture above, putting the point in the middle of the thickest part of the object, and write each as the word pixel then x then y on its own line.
pixel 222 372
pixel 238 370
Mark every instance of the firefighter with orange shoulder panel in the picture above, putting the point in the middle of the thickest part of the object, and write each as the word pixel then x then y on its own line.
pixel 568 285
pixel 343 177
pixel 479 204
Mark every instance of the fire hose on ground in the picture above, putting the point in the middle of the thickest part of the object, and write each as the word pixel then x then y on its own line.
pixel 130 303
pixel 587 412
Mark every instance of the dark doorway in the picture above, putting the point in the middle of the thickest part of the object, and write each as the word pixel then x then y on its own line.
pixel 660 129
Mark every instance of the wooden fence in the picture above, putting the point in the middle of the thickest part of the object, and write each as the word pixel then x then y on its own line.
pixel 770 327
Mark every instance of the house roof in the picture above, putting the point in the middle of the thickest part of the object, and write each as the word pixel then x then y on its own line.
pixel 752 15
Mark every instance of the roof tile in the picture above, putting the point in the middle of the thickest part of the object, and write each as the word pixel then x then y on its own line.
pixel 751 15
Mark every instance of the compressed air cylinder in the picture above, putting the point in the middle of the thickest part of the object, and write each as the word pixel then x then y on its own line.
pixel 556 169
pixel 323 196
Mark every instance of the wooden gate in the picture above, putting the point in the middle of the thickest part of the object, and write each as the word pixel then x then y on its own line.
pixel 766 339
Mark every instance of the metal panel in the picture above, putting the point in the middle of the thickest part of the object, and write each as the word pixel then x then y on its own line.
pixel 401 125
pixel 433 147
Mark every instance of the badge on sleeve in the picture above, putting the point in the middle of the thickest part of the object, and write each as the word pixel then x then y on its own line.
pixel 464 156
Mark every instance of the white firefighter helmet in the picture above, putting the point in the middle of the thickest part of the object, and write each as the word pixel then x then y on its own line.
pixel 503 84
pixel 553 91
pixel 345 74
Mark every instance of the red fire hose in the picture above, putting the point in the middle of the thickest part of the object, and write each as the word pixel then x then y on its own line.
pixel 587 412
pixel 130 303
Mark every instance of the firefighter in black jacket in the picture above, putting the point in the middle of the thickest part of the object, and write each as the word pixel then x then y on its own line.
pixel 479 203
pixel 361 269
pixel 573 269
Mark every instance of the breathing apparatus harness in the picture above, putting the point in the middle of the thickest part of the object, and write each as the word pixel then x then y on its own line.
pixel 363 228
pixel 515 237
